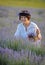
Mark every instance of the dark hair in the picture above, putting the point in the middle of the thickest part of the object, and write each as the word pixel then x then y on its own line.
pixel 25 13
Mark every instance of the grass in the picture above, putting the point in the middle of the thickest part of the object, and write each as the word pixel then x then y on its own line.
pixel 12 61
pixel 25 3
pixel 18 46
pixel 9 47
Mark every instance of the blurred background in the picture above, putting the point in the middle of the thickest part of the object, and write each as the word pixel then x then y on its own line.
pixel 9 10
pixel 17 52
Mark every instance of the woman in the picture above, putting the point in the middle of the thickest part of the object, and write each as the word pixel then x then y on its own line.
pixel 27 29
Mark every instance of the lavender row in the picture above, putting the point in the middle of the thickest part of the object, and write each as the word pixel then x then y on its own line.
pixel 21 55
pixel 19 45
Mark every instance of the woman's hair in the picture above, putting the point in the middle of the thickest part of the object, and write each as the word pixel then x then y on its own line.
pixel 24 13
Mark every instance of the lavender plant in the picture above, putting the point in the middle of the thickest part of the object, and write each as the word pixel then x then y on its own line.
pixel 20 44
pixel 12 57
pixel 23 57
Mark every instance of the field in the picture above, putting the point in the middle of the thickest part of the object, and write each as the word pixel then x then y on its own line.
pixel 23 3
pixel 21 52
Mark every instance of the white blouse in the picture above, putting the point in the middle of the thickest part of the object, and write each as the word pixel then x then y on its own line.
pixel 22 33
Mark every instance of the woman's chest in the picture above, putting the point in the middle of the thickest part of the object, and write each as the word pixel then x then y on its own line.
pixel 29 30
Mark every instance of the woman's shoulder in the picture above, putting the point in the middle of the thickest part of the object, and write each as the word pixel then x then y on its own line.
pixel 34 24
pixel 19 25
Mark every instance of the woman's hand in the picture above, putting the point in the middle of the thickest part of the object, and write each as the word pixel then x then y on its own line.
pixel 30 37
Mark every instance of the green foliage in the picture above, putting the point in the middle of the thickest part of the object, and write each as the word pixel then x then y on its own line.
pixel 18 46
pixel 24 3
pixel 5 61
pixel 31 0
pixel 38 51
pixel 8 59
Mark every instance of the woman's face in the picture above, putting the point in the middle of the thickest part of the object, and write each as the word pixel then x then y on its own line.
pixel 24 20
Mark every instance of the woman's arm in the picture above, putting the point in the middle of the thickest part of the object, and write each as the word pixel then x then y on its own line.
pixel 38 34
pixel 17 33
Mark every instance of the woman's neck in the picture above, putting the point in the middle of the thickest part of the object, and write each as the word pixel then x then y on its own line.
pixel 26 24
